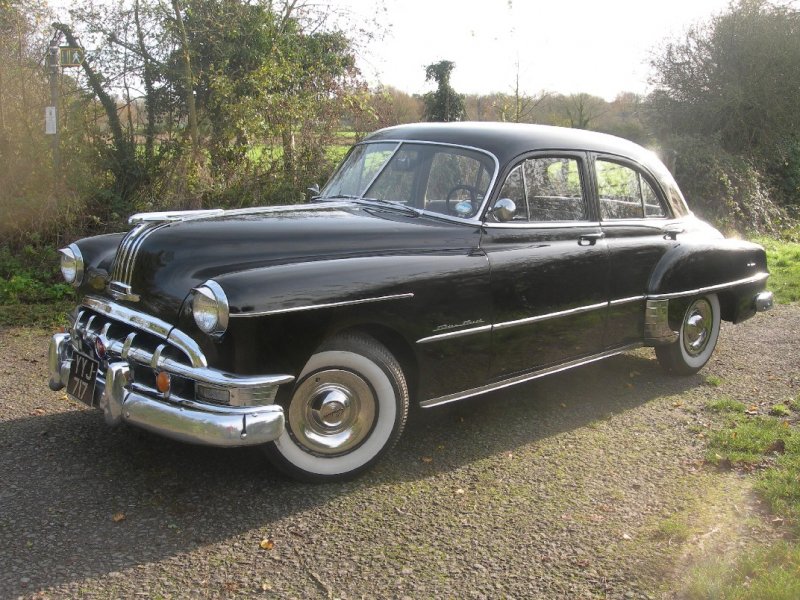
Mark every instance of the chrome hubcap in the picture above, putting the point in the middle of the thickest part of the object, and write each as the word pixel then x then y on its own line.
pixel 697 326
pixel 332 412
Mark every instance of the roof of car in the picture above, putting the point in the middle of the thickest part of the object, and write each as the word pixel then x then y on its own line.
pixel 507 140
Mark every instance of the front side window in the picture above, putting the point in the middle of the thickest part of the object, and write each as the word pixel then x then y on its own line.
pixel 624 193
pixel 546 189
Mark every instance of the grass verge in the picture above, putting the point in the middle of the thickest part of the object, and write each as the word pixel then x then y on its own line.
pixel 783 260
pixel 45 316
pixel 769 447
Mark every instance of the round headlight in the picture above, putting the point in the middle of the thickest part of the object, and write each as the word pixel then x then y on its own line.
pixel 210 308
pixel 72 264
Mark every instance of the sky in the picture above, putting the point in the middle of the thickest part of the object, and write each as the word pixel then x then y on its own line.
pixel 569 46
pixel 596 46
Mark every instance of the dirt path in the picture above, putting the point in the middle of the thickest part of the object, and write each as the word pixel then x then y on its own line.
pixel 565 487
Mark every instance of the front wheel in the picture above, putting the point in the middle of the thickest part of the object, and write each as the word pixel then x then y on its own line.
pixel 349 407
pixel 697 337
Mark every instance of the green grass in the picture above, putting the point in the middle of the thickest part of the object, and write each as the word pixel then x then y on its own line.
pixel 747 441
pixel 725 404
pixel 714 380
pixel 780 410
pixel 771 573
pixel 773 445
pixel 674 529
pixel 783 260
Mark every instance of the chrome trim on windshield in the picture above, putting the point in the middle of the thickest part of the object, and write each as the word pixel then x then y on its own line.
pixel 498 385
pixel 711 288
pixel 279 311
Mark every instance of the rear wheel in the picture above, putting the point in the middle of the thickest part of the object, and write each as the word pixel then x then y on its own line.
pixel 349 407
pixel 697 337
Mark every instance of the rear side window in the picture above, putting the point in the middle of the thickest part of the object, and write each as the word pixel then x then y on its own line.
pixel 625 193
pixel 546 189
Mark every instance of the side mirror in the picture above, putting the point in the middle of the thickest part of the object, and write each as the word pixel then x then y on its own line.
pixel 313 191
pixel 504 210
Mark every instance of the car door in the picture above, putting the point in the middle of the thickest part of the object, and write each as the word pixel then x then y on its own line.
pixel 549 265
pixel 638 228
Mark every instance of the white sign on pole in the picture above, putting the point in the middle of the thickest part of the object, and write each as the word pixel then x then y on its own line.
pixel 50 120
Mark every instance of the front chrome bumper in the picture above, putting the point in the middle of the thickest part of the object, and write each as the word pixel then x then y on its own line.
pixel 122 399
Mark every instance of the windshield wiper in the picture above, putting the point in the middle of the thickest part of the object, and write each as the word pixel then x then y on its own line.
pixel 372 201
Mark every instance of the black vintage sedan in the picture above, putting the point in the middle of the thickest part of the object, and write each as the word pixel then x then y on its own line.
pixel 441 261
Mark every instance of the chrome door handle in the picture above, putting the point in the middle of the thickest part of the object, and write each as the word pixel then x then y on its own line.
pixel 672 231
pixel 590 239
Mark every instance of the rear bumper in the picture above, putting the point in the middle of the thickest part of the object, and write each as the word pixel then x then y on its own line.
pixel 121 399
pixel 763 301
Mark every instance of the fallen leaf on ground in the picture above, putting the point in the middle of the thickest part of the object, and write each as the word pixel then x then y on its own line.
pixel 426 459
pixel 266 544
pixel 118 517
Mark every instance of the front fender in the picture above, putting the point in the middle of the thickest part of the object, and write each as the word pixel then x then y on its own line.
pixel 280 314
pixel 98 255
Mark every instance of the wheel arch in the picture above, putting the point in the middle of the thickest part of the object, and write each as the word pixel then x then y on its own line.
pixel 394 342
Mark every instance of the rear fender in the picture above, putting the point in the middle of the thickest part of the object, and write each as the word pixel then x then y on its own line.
pixel 735 270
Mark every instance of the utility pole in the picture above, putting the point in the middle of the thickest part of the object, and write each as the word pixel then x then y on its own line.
pixel 51 117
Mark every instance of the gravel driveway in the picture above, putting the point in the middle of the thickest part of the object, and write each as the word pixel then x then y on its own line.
pixel 550 489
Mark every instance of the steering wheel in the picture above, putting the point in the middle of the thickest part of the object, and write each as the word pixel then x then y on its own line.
pixel 472 195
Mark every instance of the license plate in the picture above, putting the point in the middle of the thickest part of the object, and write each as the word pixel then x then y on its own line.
pixel 82 378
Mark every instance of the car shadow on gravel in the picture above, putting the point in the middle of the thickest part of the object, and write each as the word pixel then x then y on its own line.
pixel 79 499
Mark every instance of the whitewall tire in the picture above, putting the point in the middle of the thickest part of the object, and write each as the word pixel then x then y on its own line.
pixel 349 406
pixel 697 337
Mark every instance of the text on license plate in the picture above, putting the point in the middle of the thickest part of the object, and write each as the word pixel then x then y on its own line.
pixel 82 377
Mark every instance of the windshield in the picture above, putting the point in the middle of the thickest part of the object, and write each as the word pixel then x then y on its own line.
pixel 448 180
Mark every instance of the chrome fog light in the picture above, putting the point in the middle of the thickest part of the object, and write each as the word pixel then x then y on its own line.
pixel 72 264
pixel 210 308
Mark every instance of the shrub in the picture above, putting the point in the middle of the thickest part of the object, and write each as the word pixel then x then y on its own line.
pixel 723 188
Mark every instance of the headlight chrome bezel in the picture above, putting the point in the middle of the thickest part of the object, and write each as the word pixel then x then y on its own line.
pixel 210 308
pixel 72 265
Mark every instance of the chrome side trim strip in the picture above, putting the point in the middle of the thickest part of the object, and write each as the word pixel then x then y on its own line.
pixel 454 334
pixel 280 311
pixel 711 288
pixel 542 225
pixel 629 300
pixel 498 385
pixel 553 315
pixel 152 325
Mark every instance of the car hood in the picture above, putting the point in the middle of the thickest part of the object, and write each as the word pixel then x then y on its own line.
pixel 162 261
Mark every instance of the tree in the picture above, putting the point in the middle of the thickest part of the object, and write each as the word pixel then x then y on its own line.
pixel 736 79
pixel 583 109
pixel 445 104
pixel 240 98
pixel 25 167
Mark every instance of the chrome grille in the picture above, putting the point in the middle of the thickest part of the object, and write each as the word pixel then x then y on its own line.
pixel 122 340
